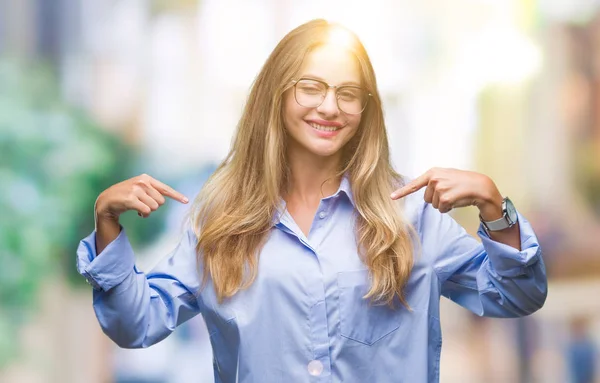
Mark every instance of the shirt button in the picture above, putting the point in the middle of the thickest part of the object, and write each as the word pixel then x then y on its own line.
pixel 322 215
pixel 315 368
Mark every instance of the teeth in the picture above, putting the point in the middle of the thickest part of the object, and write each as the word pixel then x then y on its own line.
pixel 323 128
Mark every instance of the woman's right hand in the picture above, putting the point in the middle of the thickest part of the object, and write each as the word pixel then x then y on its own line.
pixel 142 193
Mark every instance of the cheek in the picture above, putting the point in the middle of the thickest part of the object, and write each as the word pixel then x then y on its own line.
pixel 354 122
pixel 291 110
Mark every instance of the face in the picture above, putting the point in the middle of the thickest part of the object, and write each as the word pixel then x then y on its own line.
pixel 325 129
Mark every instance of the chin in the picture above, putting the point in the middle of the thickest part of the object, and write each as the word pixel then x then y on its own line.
pixel 320 147
pixel 324 150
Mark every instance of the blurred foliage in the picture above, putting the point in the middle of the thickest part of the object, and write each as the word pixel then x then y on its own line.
pixel 54 161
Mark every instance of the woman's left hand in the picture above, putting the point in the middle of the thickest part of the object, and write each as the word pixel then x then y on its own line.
pixel 451 188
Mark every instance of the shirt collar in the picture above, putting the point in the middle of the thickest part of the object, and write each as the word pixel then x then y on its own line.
pixel 344 188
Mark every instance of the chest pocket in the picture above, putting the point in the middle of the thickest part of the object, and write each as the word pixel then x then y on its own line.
pixel 362 321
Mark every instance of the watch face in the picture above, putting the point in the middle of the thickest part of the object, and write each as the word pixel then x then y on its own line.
pixel 511 211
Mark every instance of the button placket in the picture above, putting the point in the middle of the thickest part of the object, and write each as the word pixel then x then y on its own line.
pixel 320 365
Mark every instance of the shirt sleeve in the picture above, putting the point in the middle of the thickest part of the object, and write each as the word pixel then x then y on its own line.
pixel 135 309
pixel 488 278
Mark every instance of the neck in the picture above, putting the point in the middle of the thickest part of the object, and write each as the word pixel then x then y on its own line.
pixel 311 177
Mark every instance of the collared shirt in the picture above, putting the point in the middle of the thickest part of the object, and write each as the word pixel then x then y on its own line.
pixel 304 318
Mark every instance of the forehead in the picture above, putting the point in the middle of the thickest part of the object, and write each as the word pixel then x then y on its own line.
pixel 332 64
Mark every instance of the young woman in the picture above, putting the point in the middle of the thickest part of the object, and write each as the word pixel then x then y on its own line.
pixel 309 257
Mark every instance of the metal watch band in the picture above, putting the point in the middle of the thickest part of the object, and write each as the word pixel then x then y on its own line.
pixel 499 224
pixel 508 219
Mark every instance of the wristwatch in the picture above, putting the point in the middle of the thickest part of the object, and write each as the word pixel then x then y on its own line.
pixel 509 217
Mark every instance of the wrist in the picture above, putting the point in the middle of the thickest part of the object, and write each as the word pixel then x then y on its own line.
pixel 101 214
pixel 490 205
pixel 107 225
pixel 491 211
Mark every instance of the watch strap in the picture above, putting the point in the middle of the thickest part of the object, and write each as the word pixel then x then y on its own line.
pixel 499 224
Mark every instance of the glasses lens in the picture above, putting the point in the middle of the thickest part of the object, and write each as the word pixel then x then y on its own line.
pixel 352 100
pixel 309 93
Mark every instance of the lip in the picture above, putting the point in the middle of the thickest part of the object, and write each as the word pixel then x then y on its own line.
pixel 335 124
pixel 322 133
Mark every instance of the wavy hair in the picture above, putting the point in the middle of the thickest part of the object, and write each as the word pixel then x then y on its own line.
pixel 233 213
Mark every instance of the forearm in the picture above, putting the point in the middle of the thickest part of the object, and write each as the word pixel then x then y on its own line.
pixel 513 296
pixel 490 210
pixel 510 236
pixel 134 309
pixel 498 280
pixel 107 229
pixel 136 315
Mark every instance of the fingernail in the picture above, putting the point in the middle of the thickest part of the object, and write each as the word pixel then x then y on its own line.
pixel 185 200
pixel 393 195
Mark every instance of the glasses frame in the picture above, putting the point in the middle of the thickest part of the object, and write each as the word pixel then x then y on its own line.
pixel 327 87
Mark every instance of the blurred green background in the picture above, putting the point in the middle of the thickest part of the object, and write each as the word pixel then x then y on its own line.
pixel 54 159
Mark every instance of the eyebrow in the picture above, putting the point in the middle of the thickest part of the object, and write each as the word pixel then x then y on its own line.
pixel 313 77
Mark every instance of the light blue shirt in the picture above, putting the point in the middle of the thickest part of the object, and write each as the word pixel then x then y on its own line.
pixel 304 318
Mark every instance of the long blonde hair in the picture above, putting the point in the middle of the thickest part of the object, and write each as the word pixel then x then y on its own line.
pixel 233 214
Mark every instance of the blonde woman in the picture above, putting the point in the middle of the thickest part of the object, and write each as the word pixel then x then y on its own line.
pixel 309 257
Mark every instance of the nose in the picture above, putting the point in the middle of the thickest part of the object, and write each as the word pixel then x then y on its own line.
pixel 329 106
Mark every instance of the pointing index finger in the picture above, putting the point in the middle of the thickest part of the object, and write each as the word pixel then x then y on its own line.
pixel 411 187
pixel 168 191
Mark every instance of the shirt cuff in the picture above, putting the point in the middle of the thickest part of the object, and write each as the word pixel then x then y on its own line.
pixel 109 269
pixel 508 261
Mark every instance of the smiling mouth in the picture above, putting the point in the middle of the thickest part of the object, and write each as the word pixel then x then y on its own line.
pixel 324 128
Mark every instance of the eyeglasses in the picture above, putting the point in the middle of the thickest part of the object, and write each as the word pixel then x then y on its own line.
pixel 311 93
